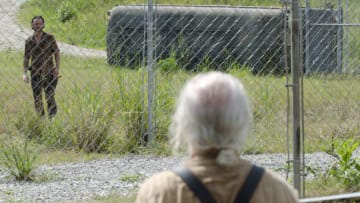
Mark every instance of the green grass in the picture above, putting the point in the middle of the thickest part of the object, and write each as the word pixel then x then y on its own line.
pixel 90 88
pixel 17 159
pixel 96 100
pixel 132 178
pixel 110 198
pixel 330 116
pixel 323 186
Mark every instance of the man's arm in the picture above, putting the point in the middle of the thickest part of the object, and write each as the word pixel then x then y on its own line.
pixel 57 63
pixel 26 65
pixel 56 51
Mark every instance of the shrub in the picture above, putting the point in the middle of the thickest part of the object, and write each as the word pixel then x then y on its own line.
pixel 90 118
pixel 168 65
pixel 29 124
pixel 131 110
pixel 17 160
pixel 66 12
pixel 347 168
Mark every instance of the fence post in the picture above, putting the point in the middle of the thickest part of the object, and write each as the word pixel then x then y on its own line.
pixel 339 35
pixel 346 40
pixel 295 70
pixel 307 33
pixel 150 65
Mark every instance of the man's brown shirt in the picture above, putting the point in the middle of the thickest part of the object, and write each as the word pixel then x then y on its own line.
pixel 41 54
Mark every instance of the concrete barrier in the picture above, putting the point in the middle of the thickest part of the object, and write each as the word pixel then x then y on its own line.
pixel 212 35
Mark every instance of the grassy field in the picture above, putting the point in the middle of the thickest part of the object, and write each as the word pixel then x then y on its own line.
pixel 108 105
pixel 100 104
pixel 112 101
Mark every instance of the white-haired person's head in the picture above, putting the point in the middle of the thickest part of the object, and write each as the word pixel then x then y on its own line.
pixel 212 114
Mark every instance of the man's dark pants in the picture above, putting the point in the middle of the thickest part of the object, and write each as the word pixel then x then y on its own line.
pixel 48 83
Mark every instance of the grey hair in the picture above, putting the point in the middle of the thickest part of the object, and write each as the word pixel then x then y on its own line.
pixel 212 111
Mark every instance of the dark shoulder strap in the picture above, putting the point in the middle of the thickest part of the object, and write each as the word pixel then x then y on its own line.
pixel 194 184
pixel 250 185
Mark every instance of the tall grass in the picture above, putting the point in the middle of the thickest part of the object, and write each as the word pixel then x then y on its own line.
pixel 104 109
pixel 17 159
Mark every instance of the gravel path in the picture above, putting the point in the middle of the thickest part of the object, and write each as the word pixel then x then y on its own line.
pixel 86 180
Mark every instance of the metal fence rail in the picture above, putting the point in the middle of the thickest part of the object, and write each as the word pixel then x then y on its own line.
pixel 346 198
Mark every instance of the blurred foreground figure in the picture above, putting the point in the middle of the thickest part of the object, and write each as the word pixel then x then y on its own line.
pixel 211 123
pixel 41 49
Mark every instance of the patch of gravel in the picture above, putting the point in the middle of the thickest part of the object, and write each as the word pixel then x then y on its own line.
pixel 86 180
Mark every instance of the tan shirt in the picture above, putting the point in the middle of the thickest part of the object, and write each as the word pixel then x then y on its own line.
pixel 223 183
pixel 41 53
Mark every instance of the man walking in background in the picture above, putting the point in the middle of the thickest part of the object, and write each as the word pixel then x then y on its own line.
pixel 40 50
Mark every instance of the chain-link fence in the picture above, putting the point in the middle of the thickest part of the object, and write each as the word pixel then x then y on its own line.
pixel 329 100
pixel 117 94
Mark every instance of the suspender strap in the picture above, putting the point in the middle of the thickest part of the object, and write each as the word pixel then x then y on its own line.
pixel 243 196
pixel 194 184
pixel 250 184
